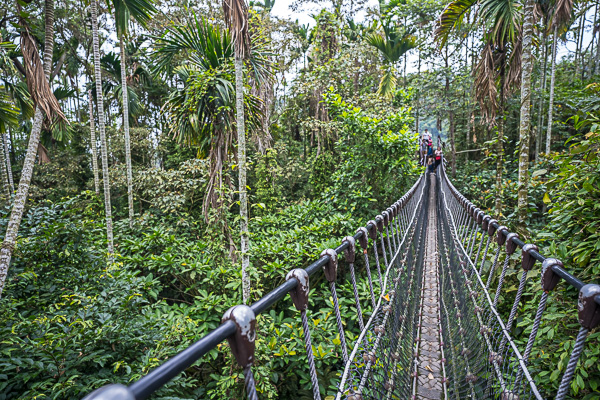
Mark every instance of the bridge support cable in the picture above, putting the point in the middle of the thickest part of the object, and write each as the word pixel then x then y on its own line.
pixel 379 365
pixel 431 292
pixel 551 274
pixel 429 376
pixel 491 372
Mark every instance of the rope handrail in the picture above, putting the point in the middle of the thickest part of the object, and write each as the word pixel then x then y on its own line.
pixel 402 244
pixel 155 379
pixel 557 269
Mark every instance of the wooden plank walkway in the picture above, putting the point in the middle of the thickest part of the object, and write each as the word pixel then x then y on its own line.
pixel 428 382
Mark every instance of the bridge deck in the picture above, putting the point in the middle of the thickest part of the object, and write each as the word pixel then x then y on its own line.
pixel 430 374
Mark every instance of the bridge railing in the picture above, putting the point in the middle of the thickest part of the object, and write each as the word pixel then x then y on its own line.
pixel 382 235
pixel 472 224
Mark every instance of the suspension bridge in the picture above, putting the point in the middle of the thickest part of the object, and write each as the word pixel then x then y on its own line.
pixel 430 328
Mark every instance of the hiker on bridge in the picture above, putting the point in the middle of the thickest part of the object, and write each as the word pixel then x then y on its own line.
pixel 425 145
pixel 438 157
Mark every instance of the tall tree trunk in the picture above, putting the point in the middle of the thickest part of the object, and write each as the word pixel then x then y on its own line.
pixel 579 65
pixel 4 177
pixel 500 145
pixel 538 140
pixel 102 130
pixel 8 164
pixel 551 97
pixel 93 144
pixel 16 214
pixel 597 63
pixel 126 131
pixel 524 124
pixel 241 136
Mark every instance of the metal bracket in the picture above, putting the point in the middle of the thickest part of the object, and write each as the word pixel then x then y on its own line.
pixel 331 267
pixel 242 342
pixel 527 261
pixel 363 240
pixel 350 252
pixel 386 218
pixel 299 294
pixel 379 220
pixel 480 215
pixel 500 238
pixel 510 245
pixel 486 221
pixel 549 278
pixel 491 229
pixel 373 231
pixel 589 310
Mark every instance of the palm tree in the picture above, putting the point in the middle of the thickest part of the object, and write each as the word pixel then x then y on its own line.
pixel 9 116
pixel 525 119
pixel 102 128
pixel 236 19
pixel 392 45
pixel 562 14
pixel 38 76
pixel 498 70
pixel 93 143
pixel 141 11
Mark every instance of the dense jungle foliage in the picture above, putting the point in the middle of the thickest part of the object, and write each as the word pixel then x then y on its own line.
pixel 130 186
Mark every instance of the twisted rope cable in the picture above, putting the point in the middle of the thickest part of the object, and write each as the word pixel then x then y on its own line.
pixel 377 262
pixel 513 311
pixel 358 310
pixel 568 376
pixel 483 259
pixel 532 336
pixel 339 321
pixel 501 280
pixel 310 357
pixel 493 268
pixel 249 383
pixel 369 277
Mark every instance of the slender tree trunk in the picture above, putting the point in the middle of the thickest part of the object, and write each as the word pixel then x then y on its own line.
pixel 524 124
pixel 16 214
pixel 4 177
pixel 126 130
pixel 500 145
pixel 241 133
pixel 538 140
pixel 93 144
pixel 579 65
pixel 8 164
pixel 551 97
pixel 102 130
pixel 597 63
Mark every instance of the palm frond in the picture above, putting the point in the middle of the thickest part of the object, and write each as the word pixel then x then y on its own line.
pixel 562 12
pixel 207 46
pixel 387 84
pixel 451 18
pixel 9 113
pixel 486 91
pixel 236 19
pixel 505 15
pixel 37 84
pixel 140 10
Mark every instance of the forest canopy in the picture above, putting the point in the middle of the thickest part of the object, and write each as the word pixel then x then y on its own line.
pixel 162 161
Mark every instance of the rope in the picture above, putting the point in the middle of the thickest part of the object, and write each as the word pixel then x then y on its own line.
pixel 249 383
pixel 339 321
pixel 568 376
pixel 310 357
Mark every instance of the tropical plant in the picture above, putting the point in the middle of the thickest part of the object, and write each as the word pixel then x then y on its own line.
pixel 38 75
pixel 102 128
pixel 392 45
pixel 125 10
